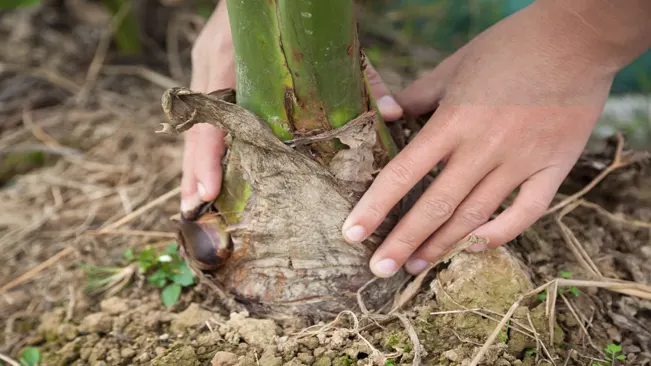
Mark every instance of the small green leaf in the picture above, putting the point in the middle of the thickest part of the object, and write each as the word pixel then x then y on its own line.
pixel 542 296
pixel 128 255
pixel 566 274
pixel 574 291
pixel 30 356
pixel 147 258
pixel 613 348
pixel 621 357
pixel 503 337
pixel 158 278
pixel 184 277
pixel 171 294
pixel 172 248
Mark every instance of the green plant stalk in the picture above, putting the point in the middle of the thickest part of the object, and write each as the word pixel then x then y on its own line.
pixel 126 35
pixel 299 68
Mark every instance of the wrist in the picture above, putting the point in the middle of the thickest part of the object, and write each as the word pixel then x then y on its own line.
pixel 609 33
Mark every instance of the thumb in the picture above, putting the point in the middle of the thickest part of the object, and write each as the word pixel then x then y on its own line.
pixel 389 108
pixel 424 94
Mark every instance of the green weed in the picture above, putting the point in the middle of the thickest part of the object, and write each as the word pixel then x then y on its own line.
pixel 166 271
pixel 31 356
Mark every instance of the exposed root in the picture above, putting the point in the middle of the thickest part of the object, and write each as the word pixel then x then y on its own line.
pixel 414 287
pixel 8 360
pixel 627 287
pixel 615 217
pixel 135 214
pixel 34 271
pixel 539 343
pixel 619 161
pixel 580 322
pixel 498 329
pixel 143 72
pixel 143 233
pixel 577 249
pixel 108 280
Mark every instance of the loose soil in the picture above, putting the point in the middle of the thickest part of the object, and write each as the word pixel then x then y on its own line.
pixel 78 153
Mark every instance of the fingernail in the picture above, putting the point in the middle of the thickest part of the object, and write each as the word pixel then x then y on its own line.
pixel 416 266
pixel 201 190
pixel 190 203
pixel 389 108
pixel 355 234
pixel 479 247
pixel 385 268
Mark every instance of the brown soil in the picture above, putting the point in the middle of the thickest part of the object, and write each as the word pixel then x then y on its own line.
pixel 78 152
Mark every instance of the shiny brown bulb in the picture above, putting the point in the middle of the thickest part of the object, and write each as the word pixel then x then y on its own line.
pixel 205 242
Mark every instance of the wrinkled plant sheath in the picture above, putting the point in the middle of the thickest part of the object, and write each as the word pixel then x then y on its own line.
pixel 299 72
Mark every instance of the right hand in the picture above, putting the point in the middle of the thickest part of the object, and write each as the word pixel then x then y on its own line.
pixel 213 68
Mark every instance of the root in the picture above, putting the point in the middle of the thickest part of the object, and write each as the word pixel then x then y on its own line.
pixel 614 217
pixel 135 214
pixel 8 360
pixel 496 331
pixel 414 287
pixel 625 287
pixel 619 161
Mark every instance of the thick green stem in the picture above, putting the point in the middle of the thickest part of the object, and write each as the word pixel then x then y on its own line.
pixel 263 80
pixel 299 65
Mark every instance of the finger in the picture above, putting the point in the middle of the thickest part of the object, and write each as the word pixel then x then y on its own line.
pixel 389 108
pixel 199 77
pixel 424 94
pixel 432 210
pixel 530 204
pixel 189 196
pixel 431 144
pixel 222 77
pixel 473 212
pixel 207 164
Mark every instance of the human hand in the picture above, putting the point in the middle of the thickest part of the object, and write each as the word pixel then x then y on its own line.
pixel 213 68
pixel 514 109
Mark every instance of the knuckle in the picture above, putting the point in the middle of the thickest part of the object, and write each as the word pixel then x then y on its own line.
pixel 373 77
pixel 408 243
pixel 536 207
pixel 399 174
pixel 437 208
pixel 375 211
pixel 473 216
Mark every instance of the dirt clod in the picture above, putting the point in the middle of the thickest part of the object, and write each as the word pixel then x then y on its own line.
pixel 225 359
pixel 114 305
pixel 191 317
pixel 256 332
pixel 97 323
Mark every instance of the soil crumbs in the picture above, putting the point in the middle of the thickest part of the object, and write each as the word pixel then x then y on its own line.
pixel 78 154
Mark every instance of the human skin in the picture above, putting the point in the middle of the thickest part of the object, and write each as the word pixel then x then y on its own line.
pixel 514 108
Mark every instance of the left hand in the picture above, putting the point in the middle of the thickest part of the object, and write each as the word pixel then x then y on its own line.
pixel 514 109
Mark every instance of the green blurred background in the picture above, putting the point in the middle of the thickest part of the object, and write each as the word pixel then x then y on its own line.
pixel 448 24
